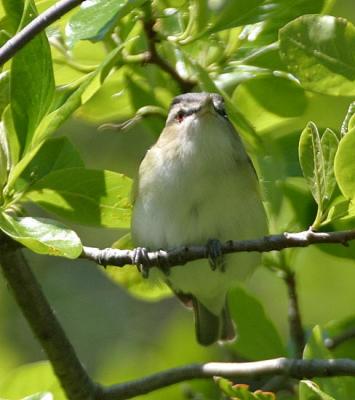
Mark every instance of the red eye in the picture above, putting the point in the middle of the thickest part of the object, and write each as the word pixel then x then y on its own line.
pixel 180 116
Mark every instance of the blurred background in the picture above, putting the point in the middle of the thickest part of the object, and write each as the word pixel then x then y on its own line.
pixel 118 336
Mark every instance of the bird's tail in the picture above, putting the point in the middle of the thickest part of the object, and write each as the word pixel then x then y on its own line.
pixel 210 327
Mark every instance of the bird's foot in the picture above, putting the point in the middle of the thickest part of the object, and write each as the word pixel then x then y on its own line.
pixel 163 263
pixel 141 260
pixel 215 255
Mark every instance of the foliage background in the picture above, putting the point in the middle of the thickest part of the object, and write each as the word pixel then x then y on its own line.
pixel 118 336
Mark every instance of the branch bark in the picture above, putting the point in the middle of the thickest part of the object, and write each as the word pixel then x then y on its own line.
pixel 182 255
pixel 41 22
pixel 294 316
pixel 44 324
pixel 281 366
pixel 153 57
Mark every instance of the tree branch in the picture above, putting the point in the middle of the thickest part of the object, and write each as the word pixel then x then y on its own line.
pixel 279 366
pixel 153 56
pixel 13 45
pixel 48 330
pixel 294 316
pixel 182 255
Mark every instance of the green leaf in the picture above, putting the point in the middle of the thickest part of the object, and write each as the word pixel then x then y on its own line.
pixel 309 390
pixel 97 18
pixel 86 88
pixel 339 209
pixel 344 165
pixel 84 196
pixel 279 13
pixel 315 348
pixel 229 14
pixel 316 157
pixel 241 391
pixel 13 9
pixel 5 162
pixel 4 90
pixel 54 154
pixel 31 378
pixel 51 122
pixel 41 235
pixel 329 145
pixel 152 289
pixel 312 162
pixel 257 337
pixel 351 124
pixel 9 132
pixel 31 82
pixel 319 50
pixel 39 396
pixel 349 120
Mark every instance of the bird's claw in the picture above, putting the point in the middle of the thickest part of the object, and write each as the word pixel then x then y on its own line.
pixel 215 255
pixel 163 263
pixel 141 260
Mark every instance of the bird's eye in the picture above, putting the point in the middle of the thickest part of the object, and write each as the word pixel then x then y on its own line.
pixel 180 115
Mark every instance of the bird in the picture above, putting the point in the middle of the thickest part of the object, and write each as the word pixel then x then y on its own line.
pixel 197 185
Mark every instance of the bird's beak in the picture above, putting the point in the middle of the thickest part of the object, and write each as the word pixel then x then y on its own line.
pixel 207 105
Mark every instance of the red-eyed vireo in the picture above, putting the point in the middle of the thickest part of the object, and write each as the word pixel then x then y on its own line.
pixel 195 184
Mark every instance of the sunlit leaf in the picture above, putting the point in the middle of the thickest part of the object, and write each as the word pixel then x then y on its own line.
pixel 316 156
pixel 4 90
pixel 312 162
pixel 31 82
pixel 39 396
pixel 87 87
pixel 9 132
pixel 41 235
pixel 329 145
pixel 319 50
pixel 31 378
pixel 344 165
pixel 54 154
pixel 90 197
pixel 309 390
pixel 229 13
pixel 98 17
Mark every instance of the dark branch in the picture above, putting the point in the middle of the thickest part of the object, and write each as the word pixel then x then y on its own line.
pixel 184 254
pixel 281 366
pixel 153 57
pixel 46 327
pixel 13 45
pixel 294 315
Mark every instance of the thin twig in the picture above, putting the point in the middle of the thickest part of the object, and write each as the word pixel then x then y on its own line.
pixel 279 366
pixel 29 296
pixel 36 26
pixel 153 57
pixel 294 316
pixel 182 255
pixel 335 341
